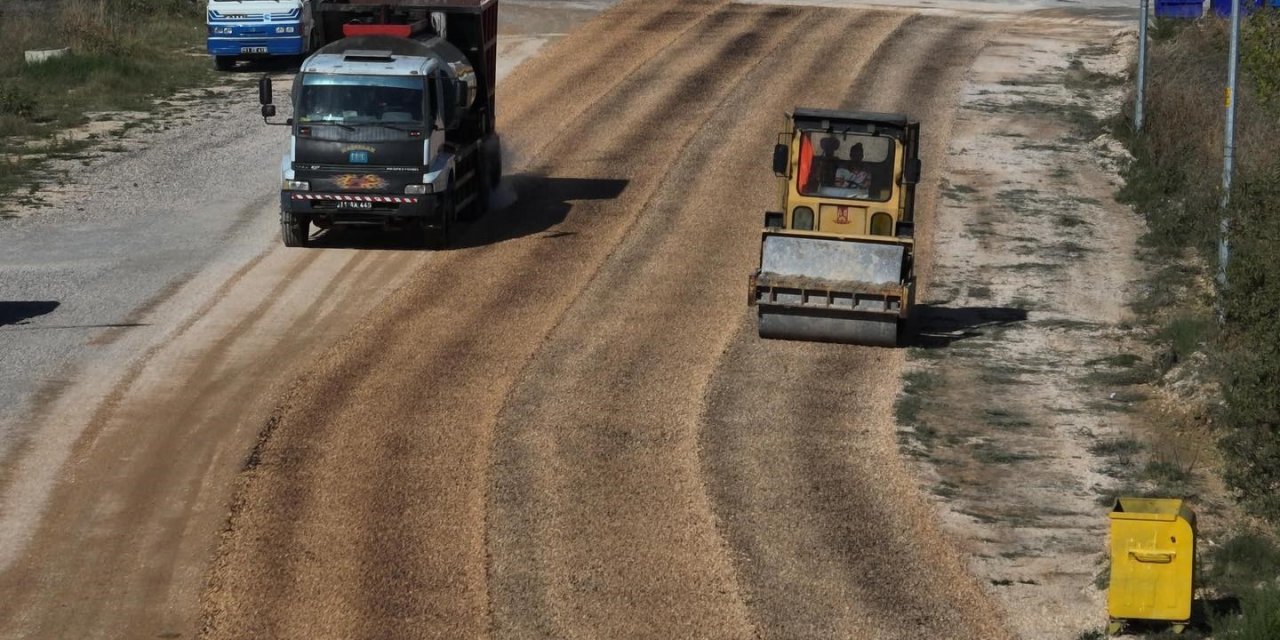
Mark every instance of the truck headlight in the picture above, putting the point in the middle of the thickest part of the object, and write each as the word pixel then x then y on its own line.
pixel 296 185
pixel 416 189
pixel 284 29
pixel 802 218
pixel 881 224
pixel 220 31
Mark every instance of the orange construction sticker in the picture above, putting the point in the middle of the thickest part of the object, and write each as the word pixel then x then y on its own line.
pixel 368 181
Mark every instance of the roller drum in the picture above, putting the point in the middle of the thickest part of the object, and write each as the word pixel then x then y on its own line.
pixel 780 323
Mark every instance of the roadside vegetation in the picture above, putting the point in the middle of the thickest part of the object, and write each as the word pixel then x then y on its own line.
pixel 124 55
pixel 1224 375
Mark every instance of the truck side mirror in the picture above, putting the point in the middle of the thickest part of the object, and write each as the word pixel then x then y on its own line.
pixel 781 158
pixel 450 112
pixel 268 111
pixel 264 91
pixel 911 172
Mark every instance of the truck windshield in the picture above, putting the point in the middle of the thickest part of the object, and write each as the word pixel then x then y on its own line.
pixel 854 166
pixel 356 100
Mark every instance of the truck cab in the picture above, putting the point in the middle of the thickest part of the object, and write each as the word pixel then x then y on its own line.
pixel 256 29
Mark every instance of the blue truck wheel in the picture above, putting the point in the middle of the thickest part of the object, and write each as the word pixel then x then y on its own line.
pixel 224 63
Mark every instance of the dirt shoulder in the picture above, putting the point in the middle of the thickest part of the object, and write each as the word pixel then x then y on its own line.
pixel 1016 405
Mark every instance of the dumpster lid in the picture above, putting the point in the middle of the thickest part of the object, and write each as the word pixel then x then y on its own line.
pixel 1161 509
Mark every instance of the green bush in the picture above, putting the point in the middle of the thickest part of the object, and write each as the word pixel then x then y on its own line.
pixel 1259 617
pixel 1174 182
pixel 1260 56
pixel 1252 392
pixel 14 101
pixel 1241 563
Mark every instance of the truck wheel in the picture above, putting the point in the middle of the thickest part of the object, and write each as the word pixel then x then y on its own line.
pixel 295 230
pixel 495 166
pixel 224 63
pixel 438 237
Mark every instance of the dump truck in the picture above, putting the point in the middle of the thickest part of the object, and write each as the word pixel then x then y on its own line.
pixel 837 262
pixel 393 123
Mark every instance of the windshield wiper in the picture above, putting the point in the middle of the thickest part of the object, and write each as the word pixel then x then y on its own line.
pixel 328 123
pixel 388 125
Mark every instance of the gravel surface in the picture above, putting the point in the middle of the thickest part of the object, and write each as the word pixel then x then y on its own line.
pixel 150 321
pixel 568 434
pixel 564 426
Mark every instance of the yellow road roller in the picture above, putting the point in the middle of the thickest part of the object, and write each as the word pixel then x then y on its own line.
pixel 837 261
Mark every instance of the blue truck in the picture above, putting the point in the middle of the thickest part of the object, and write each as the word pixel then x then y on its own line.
pixel 256 29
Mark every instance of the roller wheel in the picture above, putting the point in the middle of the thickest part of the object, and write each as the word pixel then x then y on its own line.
pixel 788 324
pixel 295 230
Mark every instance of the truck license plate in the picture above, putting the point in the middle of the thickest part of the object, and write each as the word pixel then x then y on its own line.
pixel 253 49
pixel 355 205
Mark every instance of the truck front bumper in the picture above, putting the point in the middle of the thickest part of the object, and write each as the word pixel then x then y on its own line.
pixel 361 209
pixel 256 46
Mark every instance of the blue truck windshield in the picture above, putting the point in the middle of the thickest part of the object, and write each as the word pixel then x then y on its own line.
pixel 354 100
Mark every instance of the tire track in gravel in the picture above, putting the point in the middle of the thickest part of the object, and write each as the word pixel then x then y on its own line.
pixel 317 541
pixel 571 76
pixel 601 526
pixel 152 538
pixel 831 534
pixel 146 490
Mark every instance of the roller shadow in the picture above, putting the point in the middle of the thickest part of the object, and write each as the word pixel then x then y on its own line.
pixel 18 312
pixel 939 327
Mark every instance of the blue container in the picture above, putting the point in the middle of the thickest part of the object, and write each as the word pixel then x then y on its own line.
pixel 1180 8
pixel 1223 7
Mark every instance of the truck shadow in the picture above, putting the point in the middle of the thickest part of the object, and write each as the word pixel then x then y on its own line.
pixel 282 67
pixel 938 327
pixel 525 205
pixel 17 312
pixel 530 204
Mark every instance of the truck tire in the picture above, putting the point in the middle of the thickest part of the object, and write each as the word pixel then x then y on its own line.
pixel 480 205
pixel 489 167
pixel 436 238
pixel 224 63
pixel 494 158
pixel 295 230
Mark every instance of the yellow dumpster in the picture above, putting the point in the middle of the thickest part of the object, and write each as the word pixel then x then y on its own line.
pixel 1153 549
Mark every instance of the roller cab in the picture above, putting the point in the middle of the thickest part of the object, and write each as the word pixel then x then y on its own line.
pixel 837 259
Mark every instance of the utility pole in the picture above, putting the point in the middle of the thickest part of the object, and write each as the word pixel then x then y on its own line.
pixel 1142 64
pixel 1228 158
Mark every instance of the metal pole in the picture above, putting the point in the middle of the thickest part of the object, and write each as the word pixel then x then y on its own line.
pixel 1228 155
pixel 1142 65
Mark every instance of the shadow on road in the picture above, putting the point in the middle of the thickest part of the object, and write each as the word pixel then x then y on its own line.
pixel 534 205
pixel 277 66
pixel 527 205
pixel 938 327
pixel 15 312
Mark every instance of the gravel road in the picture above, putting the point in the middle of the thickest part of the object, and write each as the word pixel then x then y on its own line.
pixel 595 444
pixel 564 426
pixel 148 323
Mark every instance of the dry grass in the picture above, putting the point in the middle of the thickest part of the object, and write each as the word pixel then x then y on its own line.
pixel 124 54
